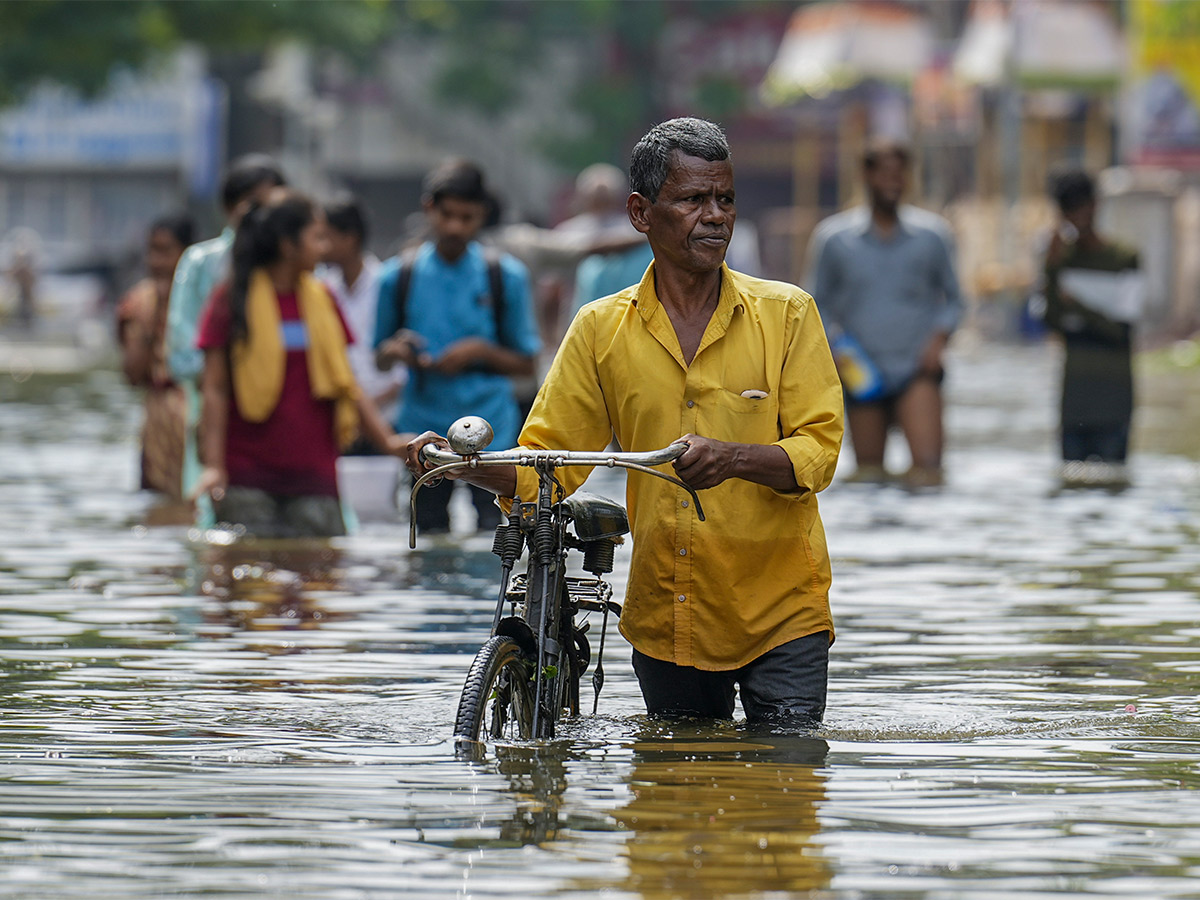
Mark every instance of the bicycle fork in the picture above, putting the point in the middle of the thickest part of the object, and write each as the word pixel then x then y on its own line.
pixel 549 584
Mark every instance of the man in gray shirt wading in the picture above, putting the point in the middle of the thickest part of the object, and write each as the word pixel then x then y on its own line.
pixel 883 277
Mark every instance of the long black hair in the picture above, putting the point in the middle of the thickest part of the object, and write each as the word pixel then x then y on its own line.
pixel 283 214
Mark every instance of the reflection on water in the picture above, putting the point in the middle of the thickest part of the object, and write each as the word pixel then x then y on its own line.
pixel 1012 706
pixel 707 812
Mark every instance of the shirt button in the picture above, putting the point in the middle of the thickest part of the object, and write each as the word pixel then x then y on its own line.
pixel 683 551
pixel 682 598
pixel 691 403
pixel 684 504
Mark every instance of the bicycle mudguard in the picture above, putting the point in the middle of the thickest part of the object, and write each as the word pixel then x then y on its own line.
pixel 596 517
pixel 518 629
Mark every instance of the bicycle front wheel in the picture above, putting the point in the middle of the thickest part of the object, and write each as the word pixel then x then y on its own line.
pixel 497 700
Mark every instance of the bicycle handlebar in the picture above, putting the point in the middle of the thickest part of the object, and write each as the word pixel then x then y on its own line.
pixel 523 456
pixel 448 461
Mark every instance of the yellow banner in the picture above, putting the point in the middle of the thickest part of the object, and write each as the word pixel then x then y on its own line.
pixel 1165 34
pixel 1164 43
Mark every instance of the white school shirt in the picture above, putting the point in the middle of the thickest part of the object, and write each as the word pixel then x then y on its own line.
pixel 358 303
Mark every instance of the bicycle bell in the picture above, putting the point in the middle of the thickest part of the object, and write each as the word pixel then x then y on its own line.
pixel 469 435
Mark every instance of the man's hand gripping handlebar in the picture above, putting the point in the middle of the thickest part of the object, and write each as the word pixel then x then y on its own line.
pixel 467 437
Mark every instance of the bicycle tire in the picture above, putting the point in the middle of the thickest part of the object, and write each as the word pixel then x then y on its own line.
pixel 497 699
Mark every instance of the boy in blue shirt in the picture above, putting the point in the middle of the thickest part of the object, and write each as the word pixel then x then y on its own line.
pixel 461 318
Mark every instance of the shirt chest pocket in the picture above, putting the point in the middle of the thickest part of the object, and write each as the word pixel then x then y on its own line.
pixel 729 416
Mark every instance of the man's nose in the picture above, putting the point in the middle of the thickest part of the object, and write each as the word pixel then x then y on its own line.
pixel 713 211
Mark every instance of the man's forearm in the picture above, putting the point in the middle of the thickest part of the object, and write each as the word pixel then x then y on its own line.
pixel 500 480
pixel 708 462
pixel 765 464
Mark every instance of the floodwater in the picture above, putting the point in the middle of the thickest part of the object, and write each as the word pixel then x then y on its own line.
pixel 1012 711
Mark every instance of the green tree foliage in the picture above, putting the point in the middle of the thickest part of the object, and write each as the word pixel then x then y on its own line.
pixel 79 43
pixel 498 43
pixel 493 48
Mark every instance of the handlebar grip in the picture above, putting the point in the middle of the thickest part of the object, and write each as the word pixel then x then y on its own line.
pixel 677 449
pixel 438 456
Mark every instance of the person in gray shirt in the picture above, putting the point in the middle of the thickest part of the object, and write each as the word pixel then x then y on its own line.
pixel 883 278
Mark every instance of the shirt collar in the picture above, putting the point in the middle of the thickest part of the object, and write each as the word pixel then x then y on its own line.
pixel 863 224
pixel 646 300
pixel 474 251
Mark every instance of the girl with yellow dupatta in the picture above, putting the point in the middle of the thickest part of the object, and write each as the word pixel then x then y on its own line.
pixel 279 399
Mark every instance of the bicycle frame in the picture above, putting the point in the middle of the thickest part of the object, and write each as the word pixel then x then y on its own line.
pixel 544 628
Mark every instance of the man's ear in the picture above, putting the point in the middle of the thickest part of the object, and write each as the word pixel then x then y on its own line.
pixel 638 208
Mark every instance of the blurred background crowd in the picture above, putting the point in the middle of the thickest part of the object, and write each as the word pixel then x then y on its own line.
pixel 121 120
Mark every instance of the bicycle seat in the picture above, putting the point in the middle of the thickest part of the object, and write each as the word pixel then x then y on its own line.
pixel 596 517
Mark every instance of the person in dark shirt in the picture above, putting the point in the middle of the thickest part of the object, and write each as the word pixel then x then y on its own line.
pixel 1097 385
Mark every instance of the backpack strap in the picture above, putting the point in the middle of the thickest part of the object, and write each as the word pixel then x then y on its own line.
pixel 496 286
pixel 495 274
pixel 403 284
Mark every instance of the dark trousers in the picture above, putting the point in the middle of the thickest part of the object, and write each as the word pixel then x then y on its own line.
pixel 788 683
pixel 1108 443
pixel 280 516
pixel 433 507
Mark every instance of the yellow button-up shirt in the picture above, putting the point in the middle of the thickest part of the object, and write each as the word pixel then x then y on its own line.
pixel 720 593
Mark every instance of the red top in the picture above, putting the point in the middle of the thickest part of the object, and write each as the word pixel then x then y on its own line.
pixel 294 452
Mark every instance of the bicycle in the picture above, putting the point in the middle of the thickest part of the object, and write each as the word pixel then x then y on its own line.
pixel 527 674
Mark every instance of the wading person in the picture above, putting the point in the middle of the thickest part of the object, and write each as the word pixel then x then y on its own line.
pixel 352 275
pixel 280 399
pixel 740 367
pixel 1093 291
pixel 141 330
pixel 200 269
pixel 368 479
pixel 884 277
pixel 460 317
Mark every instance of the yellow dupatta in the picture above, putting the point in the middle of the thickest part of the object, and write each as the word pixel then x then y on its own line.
pixel 259 360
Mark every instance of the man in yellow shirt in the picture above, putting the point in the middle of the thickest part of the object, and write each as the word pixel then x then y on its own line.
pixel 740 367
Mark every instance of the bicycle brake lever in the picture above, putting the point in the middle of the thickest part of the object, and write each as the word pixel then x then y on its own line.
pixel 671 478
pixel 417 485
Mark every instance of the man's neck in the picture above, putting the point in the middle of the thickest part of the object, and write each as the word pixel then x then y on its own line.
pixel 885 216
pixel 687 293
pixel 689 299
pixel 452 254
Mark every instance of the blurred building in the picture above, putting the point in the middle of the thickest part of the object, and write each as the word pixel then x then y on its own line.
pixel 87 175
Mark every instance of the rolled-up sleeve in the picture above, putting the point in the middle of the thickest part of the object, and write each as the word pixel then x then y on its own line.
pixel 810 402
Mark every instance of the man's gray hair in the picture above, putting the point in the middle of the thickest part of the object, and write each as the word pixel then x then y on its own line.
pixel 650 162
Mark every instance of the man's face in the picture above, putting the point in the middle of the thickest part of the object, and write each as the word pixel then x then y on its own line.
pixel 454 222
pixel 690 224
pixel 887 182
